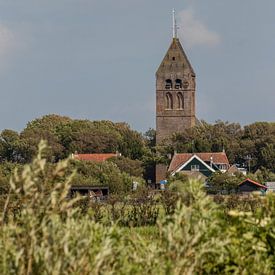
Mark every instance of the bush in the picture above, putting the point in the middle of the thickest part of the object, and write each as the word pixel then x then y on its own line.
pixel 50 235
pixel 104 174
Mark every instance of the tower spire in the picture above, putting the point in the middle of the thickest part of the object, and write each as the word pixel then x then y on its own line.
pixel 175 27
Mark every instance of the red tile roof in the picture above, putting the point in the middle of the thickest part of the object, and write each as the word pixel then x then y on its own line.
pixel 94 157
pixel 180 159
pixel 253 182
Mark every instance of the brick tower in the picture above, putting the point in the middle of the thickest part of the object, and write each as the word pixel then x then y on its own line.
pixel 175 95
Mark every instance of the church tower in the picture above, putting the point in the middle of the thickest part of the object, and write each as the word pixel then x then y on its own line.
pixel 175 95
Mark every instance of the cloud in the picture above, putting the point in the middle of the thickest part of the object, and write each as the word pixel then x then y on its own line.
pixel 194 32
pixel 6 40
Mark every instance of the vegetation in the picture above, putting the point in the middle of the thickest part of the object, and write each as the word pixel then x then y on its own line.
pixel 252 145
pixel 43 232
pixel 65 136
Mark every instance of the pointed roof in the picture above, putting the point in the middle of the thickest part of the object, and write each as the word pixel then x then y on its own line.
pixel 184 164
pixel 179 159
pixel 175 54
pixel 253 182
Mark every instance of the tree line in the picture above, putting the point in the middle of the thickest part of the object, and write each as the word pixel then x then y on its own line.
pixel 252 146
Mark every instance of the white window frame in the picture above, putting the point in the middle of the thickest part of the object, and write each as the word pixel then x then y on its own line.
pixel 195 168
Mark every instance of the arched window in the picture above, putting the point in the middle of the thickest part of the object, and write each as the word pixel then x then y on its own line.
pixel 180 101
pixel 168 84
pixel 178 84
pixel 169 101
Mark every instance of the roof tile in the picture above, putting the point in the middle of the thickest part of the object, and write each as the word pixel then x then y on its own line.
pixel 253 182
pixel 179 159
pixel 94 157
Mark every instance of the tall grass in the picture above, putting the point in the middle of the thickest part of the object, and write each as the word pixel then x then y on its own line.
pixel 43 233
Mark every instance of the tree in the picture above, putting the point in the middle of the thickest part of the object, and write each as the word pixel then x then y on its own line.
pixel 224 183
pixel 11 146
pixel 106 173
pixel 129 166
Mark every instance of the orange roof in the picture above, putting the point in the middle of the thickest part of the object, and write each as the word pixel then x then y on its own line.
pixel 253 182
pixel 94 157
pixel 180 159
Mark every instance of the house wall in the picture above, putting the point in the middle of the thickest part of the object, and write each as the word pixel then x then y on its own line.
pixel 203 169
pixel 249 187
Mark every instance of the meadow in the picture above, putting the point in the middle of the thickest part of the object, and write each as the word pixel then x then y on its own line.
pixel 44 232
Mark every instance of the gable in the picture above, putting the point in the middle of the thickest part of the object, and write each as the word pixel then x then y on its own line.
pixel 175 60
pixel 196 164
pixel 217 158
pixel 250 185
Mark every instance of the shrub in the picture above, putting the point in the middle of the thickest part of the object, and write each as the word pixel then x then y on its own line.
pixel 50 235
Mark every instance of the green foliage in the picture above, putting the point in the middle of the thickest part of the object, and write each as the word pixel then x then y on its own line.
pixel 50 235
pixel 65 136
pixel 11 146
pixel 224 183
pixel 191 241
pixel 104 174
pixel 255 141
pixel 264 175
pixel 129 166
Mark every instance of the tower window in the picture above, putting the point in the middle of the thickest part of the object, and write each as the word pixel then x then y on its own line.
pixel 178 84
pixel 169 101
pixel 180 101
pixel 174 58
pixel 168 84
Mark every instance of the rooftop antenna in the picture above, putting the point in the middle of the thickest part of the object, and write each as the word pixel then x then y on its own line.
pixel 175 27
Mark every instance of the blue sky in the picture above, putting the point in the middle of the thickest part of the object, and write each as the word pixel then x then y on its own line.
pixel 96 59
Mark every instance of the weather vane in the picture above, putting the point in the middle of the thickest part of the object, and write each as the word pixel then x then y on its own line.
pixel 175 27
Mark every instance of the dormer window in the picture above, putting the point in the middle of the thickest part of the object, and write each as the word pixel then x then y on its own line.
pixel 178 84
pixel 168 84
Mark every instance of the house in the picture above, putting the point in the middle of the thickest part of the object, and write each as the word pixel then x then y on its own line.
pixel 236 169
pixel 94 157
pixel 201 164
pixel 249 185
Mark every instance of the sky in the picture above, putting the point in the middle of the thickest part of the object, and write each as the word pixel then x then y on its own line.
pixel 96 59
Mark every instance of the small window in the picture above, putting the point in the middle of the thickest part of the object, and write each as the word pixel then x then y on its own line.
pixel 222 166
pixel 195 168
pixel 178 84
pixel 169 101
pixel 168 84
pixel 180 101
pixel 174 58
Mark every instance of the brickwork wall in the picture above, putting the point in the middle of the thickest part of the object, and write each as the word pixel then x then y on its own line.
pixel 174 67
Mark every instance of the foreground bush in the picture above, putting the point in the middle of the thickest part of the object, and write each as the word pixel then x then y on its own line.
pixel 47 235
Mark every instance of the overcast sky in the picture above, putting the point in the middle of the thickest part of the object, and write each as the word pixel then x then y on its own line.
pixel 96 59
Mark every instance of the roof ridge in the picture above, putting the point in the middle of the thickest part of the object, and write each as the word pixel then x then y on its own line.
pixel 253 181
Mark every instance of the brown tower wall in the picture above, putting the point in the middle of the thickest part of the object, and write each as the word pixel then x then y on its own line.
pixel 175 97
pixel 166 126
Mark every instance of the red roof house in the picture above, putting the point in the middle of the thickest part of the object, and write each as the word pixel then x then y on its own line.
pixel 94 157
pixel 204 162
pixel 249 185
